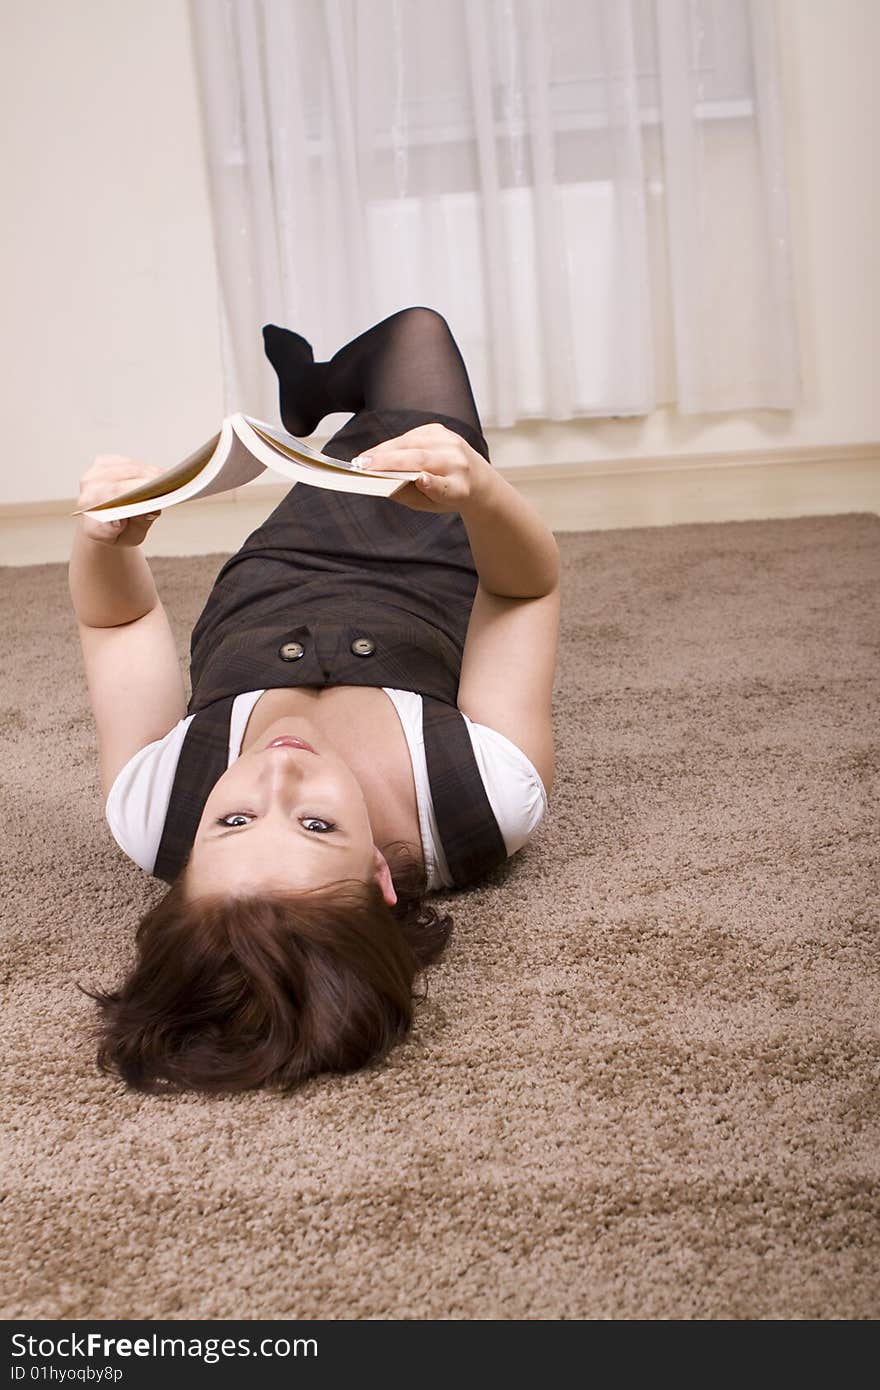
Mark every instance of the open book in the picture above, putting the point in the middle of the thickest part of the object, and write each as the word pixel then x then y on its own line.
pixel 244 449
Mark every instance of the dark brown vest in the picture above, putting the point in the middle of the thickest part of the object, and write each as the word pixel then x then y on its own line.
pixel 341 589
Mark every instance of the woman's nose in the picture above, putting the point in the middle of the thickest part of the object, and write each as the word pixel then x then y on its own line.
pixel 285 765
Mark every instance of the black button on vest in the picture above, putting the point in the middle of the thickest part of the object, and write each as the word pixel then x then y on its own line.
pixel 291 651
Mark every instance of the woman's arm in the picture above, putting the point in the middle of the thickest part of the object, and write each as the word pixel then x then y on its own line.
pixel 134 679
pixel 515 554
pixel 108 575
pixel 108 584
pixel 509 660
pixel 133 674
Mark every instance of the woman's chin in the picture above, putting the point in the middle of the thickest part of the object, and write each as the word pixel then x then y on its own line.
pixel 289 724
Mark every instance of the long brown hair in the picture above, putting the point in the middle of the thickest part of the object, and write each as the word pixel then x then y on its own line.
pixel 235 993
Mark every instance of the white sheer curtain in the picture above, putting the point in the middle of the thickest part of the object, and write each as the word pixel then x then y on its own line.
pixel 592 192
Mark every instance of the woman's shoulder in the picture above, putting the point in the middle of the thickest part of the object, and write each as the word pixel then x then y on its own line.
pixel 137 803
pixel 496 754
pixel 512 783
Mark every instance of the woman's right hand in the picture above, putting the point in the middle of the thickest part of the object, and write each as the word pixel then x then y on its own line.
pixel 454 475
pixel 109 475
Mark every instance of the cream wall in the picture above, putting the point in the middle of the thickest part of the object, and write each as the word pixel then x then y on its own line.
pixel 111 341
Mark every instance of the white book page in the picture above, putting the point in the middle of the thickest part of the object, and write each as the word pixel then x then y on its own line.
pixel 220 465
pixel 238 468
pixel 245 448
pixel 304 453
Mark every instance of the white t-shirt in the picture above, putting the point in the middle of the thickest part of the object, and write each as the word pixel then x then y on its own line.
pixel 138 800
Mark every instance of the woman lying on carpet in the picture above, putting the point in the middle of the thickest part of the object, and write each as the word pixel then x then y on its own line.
pixel 370 721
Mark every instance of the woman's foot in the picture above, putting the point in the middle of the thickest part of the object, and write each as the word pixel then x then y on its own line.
pixel 302 395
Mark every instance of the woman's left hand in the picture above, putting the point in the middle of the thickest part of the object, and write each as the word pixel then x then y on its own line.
pixel 451 473
pixel 109 476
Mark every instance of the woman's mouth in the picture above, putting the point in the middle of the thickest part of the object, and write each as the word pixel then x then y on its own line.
pixel 288 741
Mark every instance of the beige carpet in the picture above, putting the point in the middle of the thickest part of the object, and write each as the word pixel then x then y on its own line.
pixel 644 1084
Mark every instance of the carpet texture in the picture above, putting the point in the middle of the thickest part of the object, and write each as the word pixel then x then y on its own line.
pixel 644 1081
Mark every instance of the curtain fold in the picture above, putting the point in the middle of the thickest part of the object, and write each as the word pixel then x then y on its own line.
pixel 592 192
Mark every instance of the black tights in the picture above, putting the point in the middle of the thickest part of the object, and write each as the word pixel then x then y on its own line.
pixel 409 361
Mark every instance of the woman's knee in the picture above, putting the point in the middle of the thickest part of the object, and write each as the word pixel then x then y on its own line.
pixel 423 323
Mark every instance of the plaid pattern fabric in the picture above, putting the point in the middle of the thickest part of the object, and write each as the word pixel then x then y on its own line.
pixel 323 571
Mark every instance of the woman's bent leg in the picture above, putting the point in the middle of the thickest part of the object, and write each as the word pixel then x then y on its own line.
pixel 403 372
pixel 408 361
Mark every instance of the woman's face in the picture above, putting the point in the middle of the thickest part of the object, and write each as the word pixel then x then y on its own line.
pixel 292 819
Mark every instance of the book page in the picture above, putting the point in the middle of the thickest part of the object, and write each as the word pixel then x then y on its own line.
pixel 293 447
pixel 312 458
pixel 166 482
pixel 246 458
pixel 239 467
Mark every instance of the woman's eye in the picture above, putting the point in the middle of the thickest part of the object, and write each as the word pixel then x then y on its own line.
pixel 328 825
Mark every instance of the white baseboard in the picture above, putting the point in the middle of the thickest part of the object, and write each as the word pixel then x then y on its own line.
pixel 617 494
pixel 595 495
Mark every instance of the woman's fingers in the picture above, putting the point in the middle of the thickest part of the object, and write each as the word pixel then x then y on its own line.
pixel 445 464
pixel 437 488
pixel 418 497
pixel 118 466
pixel 110 476
pixel 135 531
pixel 409 459
pixel 129 531
pixel 386 456
pixel 410 450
